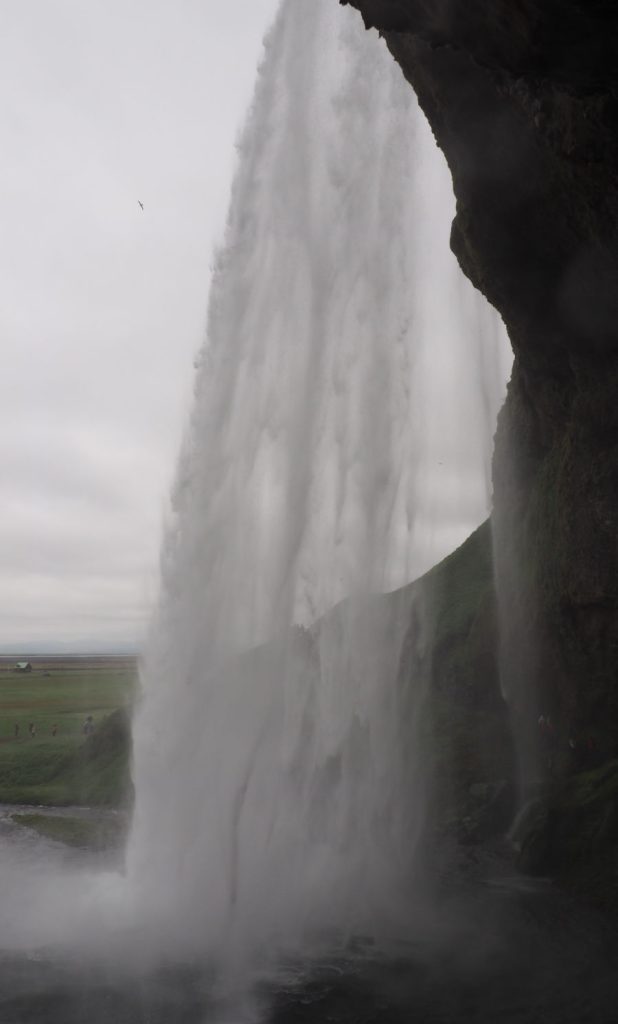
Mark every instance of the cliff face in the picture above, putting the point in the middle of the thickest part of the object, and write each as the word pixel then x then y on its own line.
pixel 523 100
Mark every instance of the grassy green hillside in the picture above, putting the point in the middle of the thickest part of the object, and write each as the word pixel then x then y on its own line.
pixel 59 764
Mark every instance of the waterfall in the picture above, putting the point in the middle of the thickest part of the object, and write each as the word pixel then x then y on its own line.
pixel 339 444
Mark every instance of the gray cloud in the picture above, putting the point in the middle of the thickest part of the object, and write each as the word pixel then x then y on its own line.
pixel 103 305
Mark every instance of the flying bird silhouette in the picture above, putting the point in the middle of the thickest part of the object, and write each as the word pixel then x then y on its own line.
pixel 140 203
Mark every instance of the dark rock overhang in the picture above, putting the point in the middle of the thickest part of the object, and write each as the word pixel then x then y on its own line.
pixel 574 43
pixel 523 100
pixel 522 97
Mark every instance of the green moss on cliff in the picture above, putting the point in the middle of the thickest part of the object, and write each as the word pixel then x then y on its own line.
pixel 573 836
pixel 467 731
pixel 460 602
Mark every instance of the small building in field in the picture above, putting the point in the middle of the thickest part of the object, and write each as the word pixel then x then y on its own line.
pixel 23 666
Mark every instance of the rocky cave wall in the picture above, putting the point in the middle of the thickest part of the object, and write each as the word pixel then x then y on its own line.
pixel 523 100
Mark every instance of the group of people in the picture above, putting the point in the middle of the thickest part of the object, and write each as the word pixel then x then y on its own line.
pixel 32 730
pixel 87 728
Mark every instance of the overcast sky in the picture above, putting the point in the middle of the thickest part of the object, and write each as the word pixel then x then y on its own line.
pixel 103 305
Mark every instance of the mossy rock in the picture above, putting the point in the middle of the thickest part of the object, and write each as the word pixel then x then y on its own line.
pixel 575 836
pixel 467 731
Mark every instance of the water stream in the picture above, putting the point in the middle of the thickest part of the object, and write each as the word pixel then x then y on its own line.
pixel 339 444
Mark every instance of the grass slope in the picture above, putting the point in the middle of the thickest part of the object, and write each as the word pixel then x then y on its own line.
pixel 66 768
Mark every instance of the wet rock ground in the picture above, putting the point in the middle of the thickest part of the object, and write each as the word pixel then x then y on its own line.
pixel 517 954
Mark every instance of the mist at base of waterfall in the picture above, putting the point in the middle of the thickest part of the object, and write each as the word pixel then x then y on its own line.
pixel 487 946
pixel 495 947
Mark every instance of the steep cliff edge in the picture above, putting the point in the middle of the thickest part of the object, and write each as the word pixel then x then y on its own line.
pixel 523 100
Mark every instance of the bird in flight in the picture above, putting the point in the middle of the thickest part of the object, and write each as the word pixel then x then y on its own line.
pixel 141 203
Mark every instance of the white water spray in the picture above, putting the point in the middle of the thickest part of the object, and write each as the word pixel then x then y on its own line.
pixel 339 444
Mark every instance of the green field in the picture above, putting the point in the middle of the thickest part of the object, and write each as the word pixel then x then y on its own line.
pixel 65 767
